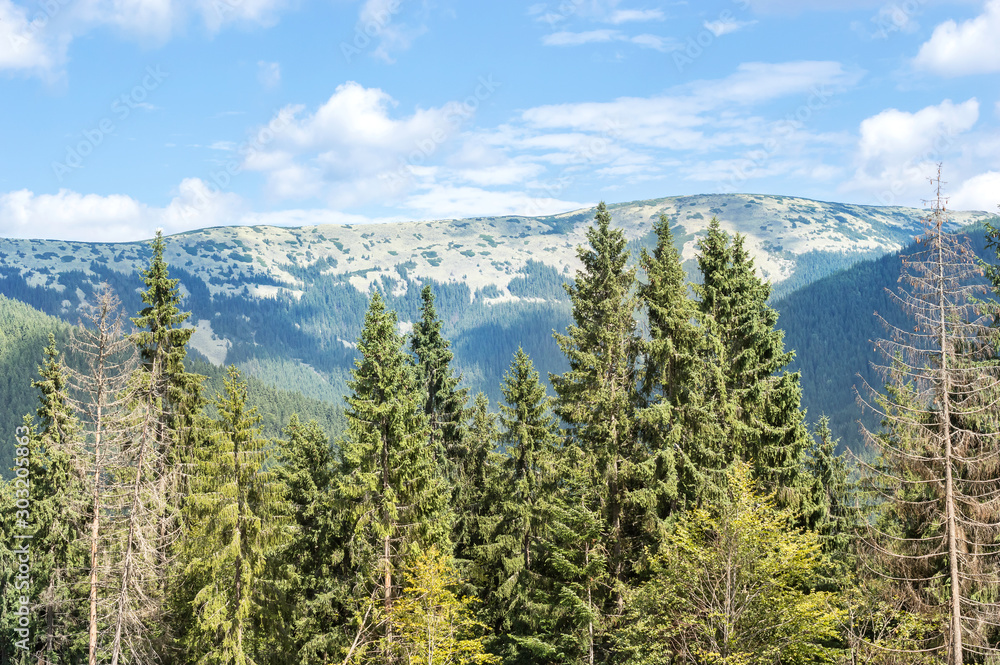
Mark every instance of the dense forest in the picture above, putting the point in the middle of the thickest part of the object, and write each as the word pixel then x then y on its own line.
pixel 667 502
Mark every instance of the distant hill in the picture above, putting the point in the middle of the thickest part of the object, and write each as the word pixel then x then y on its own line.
pixel 287 304
pixel 831 324
pixel 24 332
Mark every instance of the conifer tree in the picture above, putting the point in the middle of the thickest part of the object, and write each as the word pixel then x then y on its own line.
pixel 598 398
pixel 681 421
pixel 767 428
pixel 472 482
pixel 104 403
pixel 444 401
pixel 519 517
pixel 389 489
pixel 57 502
pixel 311 558
pixel 162 341
pixel 237 516
pixel 829 508
pixel 934 480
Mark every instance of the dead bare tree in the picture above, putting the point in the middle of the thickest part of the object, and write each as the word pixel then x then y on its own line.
pixel 935 477
pixel 124 419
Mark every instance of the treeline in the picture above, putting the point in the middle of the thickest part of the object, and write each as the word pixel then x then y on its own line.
pixel 668 505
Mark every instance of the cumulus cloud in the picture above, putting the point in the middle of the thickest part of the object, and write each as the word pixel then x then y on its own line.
pixel 980 192
pixel 970 47
pixel 69 215
pixel 898 149
pixel 353 150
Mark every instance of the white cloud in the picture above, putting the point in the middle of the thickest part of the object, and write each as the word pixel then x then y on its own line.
pixel 655 42
pixel 578 38
pixel 268 74
pixel 36 41
pixel 566 38
pixel 69 215
pixel 23 44
pixel 379 19
pixel 724 27
pixel 980 192
pixel 635 15
pixel 971 47
pixel 445 201
pixel 898 150
pixel 351 150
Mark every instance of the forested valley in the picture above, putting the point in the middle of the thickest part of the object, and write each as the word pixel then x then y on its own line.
pixel 669 503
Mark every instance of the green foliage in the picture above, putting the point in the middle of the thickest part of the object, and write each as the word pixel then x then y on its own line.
pixel 732 585
pixel 768 428
pixel 237 515
pixel 388 489
pixel 435 625
pixel 309 561
pixel 598 396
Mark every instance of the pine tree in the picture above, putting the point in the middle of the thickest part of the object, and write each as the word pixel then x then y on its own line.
pixel 57 498
pixel 237 516
pixel 162 342
pixel 389 489
pixel 830 508
pixel 471 484
pixel 105 403
pixel 598 397
pixel 767 428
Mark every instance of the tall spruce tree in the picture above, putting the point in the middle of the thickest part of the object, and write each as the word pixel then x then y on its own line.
pixel 470 489
pixel 598 398
pixel 311 584
pixel 389 489
pixel 237 516
pixel 518 520
pixel 57 512
pixel 685 406
pixel 444 401
pixel 162 341
pixel 768 429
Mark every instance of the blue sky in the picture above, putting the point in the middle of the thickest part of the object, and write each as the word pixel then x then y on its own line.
pixel 123 116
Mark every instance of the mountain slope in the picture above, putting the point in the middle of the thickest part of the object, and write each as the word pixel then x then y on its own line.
pixel 286 304
pixel 24 332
